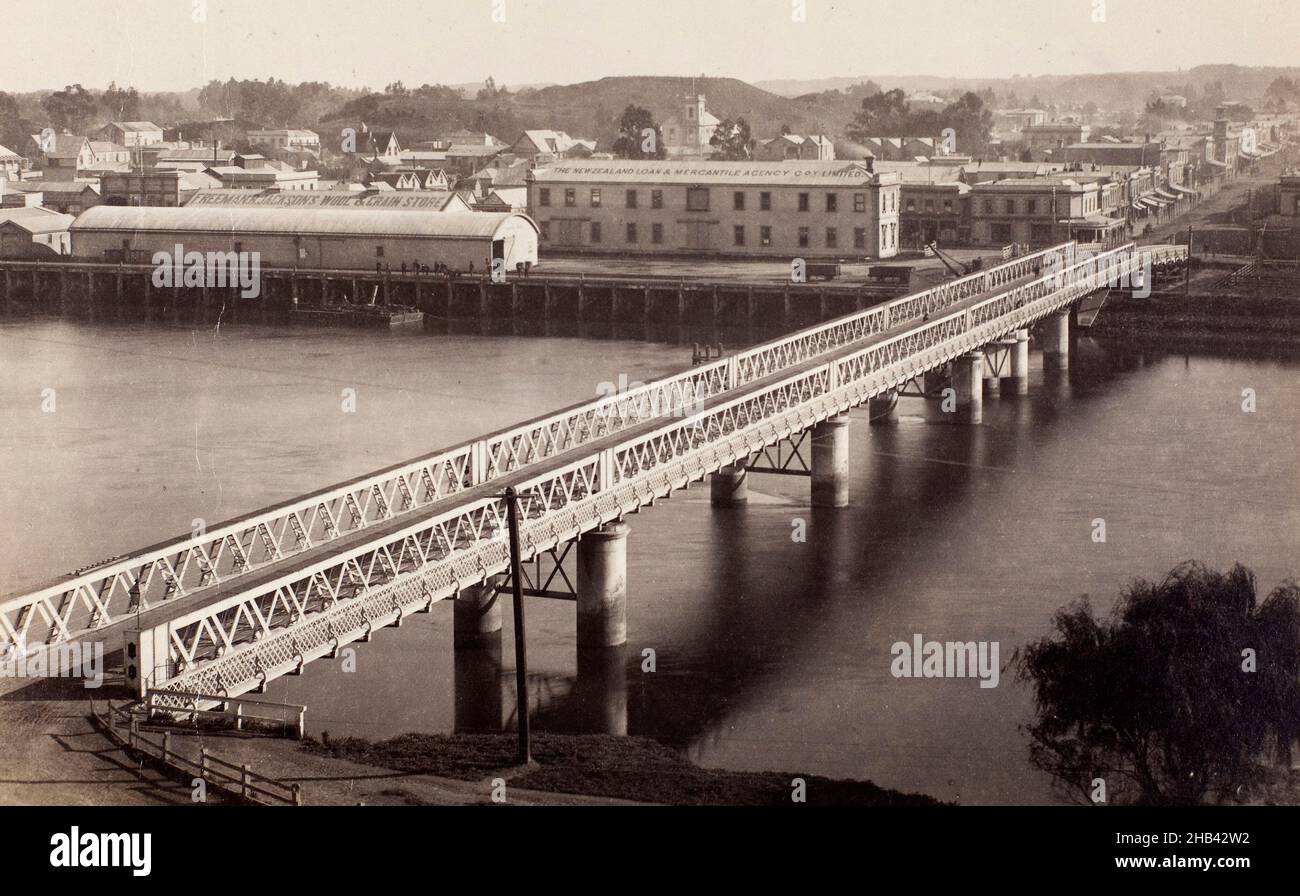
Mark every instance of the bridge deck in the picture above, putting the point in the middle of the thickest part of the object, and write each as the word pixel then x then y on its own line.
pixel 379 532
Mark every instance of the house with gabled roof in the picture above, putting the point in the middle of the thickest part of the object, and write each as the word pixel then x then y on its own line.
pixel 132 133
pixel 549 145
pixel 814 147
pixel 61 156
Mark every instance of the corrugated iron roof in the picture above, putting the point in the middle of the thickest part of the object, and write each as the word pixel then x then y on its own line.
pixel 344 222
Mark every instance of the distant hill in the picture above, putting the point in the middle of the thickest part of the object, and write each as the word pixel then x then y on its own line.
pixel 1116 90
pixel 590 108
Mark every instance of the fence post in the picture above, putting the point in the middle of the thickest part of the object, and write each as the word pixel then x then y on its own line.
pixel 302 722
pixel 244 781
pixel 203 763
pixel 167 746
pixel 297 794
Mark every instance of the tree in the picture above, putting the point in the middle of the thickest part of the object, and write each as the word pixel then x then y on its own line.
pixel 397 88
pixel 881 115
pixel 732 141
pixel 120 104
pixel 631 142
pixel 70 109
pixel 969 118
pixel 1175 699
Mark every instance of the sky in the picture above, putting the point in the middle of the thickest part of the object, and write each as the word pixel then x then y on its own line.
pixel 180 44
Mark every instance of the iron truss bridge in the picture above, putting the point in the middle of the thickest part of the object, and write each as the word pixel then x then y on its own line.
pixel 262 595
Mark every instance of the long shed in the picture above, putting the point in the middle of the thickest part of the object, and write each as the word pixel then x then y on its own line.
pixel 349 239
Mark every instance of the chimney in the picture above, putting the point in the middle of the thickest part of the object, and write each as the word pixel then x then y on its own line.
pixel 871 164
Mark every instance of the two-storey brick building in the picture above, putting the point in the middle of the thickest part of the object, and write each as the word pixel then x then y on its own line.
pixel 804 209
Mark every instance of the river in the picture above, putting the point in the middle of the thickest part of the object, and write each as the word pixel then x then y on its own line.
pixel 769 653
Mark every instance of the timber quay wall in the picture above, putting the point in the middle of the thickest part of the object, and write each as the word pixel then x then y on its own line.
pixel 125 292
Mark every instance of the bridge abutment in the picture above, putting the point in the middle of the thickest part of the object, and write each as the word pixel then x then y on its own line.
pixel 830 462
pixel 727 487
pixel 602 586
pixel 476 619
pixel 1056 340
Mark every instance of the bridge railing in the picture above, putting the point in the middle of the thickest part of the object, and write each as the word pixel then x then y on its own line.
pixel 245 639
pixel 97 596
pixel 779 354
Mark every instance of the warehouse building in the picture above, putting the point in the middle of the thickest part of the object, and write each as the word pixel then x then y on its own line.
pixel 803 209
pixel 310 238
pixel 35 232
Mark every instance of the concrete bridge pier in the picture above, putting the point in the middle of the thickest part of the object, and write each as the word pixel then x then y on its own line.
pixel 830 462
pixel 602 586
pixel 1018 381
pixel 728 488
pixel 993 361
pixel 476 618
pixel 883 408
pixel 968 383
pixel 1056 340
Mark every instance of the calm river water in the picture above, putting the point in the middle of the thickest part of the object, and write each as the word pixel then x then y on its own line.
pixel 770 654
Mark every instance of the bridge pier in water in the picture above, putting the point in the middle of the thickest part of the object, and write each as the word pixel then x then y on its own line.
pixel 476 615
pixel 830 462
pixel 968 383
pixel 1055 332
pixel 728 487
pixel 1018 381
pixel 602 586
pixel 883 408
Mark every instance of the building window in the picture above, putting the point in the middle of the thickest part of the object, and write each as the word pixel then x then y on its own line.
pixel 947 205
pixel 765 201
pixel 832 238
pixel 656 233
pixel 1001 233
pixel 832 202
pixel 595 198
pixel 595 231
pixel 631 233
pixel 631 198
pixel 929 205
pixel 1031 206
pixel 697 199
pixel 546 230
pixel 911 205
pixel 738 233
pixel 738 201
pixel 1009 206
pixel 803 202
pixel 988 206
pixel 570 197
pixel 765 235
pixel 656 198
pixel 859 202
pixel 544 196
pixel 859 237
pixel 379 251
pixel 803 237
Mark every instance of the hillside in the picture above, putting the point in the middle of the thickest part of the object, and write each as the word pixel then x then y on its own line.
pixel 588 109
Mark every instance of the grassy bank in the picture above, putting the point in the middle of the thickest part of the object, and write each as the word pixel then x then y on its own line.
pixel 628 768
pixel 1222 320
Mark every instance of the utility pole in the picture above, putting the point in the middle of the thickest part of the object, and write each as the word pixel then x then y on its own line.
pixel 521 647
pixel 1187 268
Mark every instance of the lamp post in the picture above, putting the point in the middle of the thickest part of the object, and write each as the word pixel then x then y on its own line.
pixel 521 647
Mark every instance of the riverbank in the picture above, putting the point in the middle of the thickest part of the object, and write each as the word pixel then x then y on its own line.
pixel 624 768
pixel 1219 321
